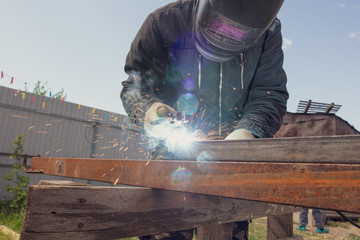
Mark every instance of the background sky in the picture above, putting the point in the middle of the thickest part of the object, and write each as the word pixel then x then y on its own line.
pixel 81 46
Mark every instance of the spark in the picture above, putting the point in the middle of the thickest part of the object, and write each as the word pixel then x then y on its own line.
pixel 19 116
pixel 42 132
pixel 116 181
pixel 105 147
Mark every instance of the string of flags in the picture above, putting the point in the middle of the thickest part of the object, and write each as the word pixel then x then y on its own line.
pixel 23 96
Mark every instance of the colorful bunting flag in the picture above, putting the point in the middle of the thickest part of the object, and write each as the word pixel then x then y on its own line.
pixel 79 107
pixel 12 80
pixel 107 115
pixel 2 74
pixel 43 105
pixel 93 110
pixel 23 95
pixel 63 99
pixel 32 99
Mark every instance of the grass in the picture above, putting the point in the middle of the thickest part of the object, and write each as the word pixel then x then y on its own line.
pixel 12 219
pixel 5 237
pixel 353 237
pixel 257 229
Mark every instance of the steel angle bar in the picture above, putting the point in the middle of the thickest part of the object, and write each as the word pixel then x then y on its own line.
pixel 325 149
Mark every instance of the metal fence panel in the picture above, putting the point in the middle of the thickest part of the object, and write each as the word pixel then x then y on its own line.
pixel 63 129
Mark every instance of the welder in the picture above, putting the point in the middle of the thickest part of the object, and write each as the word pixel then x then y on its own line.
pixel 217 62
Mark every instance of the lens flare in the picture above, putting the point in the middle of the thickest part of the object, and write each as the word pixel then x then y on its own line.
pixel 187 104
pixel 181 177
pixel 202 161
pixel 189 84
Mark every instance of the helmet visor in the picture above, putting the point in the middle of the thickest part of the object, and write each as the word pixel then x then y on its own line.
pixel 225 33
pixel 226 28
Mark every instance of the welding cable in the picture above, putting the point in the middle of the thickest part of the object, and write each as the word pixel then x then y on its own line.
pixel 348 219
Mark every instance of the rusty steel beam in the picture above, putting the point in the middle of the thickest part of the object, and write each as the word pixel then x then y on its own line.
pixel 327 186
pixel 325 149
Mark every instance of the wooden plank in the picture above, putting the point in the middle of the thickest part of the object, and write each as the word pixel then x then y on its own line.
pixel 62 183
pixel 325 186
pixel 325 149
pixel 215 232
pixel 85 212
pixel 279 227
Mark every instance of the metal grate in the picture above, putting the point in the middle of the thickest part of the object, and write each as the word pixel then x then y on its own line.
pixel 316 107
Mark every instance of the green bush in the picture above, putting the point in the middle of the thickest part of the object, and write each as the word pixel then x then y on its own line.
pixel 17 183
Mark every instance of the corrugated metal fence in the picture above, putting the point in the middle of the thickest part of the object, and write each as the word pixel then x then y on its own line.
pixel 61 129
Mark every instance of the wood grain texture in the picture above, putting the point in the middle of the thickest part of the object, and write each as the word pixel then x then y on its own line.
pixel 84 212
pixel 279 227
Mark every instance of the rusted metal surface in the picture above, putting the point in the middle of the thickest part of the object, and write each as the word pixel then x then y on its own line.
pixel 326 149
pixel 316 172
pixel 327 186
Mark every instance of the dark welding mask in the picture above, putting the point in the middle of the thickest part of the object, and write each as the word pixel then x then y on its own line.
pixel 224 28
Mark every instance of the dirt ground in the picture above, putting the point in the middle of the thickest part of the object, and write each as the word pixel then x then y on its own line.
pixel 338 230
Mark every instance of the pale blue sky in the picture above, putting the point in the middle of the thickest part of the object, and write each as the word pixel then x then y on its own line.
pixel 81 46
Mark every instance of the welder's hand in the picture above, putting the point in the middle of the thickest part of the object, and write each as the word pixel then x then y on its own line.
pixel 240 134
pixel 158 115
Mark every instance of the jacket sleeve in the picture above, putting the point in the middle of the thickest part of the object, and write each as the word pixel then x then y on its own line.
pixel 266 103
pixel 144 65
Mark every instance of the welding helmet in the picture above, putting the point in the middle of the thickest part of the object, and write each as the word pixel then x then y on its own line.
pixel 224 28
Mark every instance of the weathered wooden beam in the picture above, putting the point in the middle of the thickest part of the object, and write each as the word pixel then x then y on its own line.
pixel 278 227
pixel 215 232
pixel 91 213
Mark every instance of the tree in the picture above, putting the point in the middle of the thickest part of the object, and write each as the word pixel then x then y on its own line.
pixel 40 88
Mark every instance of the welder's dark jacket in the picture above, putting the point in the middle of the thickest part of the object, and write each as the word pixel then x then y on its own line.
pixel 247 92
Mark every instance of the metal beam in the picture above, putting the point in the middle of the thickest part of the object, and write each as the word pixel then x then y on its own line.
pixel 326 186
pixel 325 149
pixel 316 172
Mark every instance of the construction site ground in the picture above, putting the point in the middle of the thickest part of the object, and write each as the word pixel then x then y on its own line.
pixel 339 230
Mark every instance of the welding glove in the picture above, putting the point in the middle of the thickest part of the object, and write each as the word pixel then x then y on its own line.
pixel 240 134
pixel 158 119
